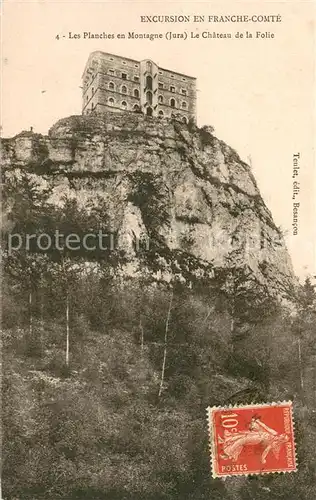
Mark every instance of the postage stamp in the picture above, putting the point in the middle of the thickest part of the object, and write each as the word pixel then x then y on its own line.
pixel 252 439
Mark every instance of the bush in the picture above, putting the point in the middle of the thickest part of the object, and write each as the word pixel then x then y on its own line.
pixel 206 135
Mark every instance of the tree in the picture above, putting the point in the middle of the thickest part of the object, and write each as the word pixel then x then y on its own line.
pixel 304 330
pixel 25 272
pixel 65 276
pixel 165 347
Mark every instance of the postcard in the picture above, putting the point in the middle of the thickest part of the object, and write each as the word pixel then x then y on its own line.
pixel 158 256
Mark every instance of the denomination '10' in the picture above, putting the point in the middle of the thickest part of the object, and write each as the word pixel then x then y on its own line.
pixel 230 422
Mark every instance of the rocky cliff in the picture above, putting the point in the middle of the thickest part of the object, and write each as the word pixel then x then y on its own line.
pixel 174 186
pixel 97 375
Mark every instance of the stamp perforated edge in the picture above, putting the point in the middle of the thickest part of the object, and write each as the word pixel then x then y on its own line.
pixel 209 412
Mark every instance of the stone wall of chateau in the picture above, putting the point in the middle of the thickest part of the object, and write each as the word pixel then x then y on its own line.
pixel 120 84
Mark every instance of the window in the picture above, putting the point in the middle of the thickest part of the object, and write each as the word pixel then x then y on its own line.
pixel 149 97
pixel 184 105
pixel 183 79
pixel 172 76
pixel 160 99
pixel 111 72
pixel 149 111
pixel 124 89
pixel 184 119
pixel 136 65
pixel 111 86
pixel 160 114
pixel 124 76
pixel 92 90
pixel 148 66
pixel 172 89
pixel 160 73
pixel 183 92
pixel 172 115
pixel 87 98
pixel 136 108
pixel 124 104
pixel 149 82
pixel 136 78
pixel 136 93
pixel 172 103
pixel 160 85
pixel 111 59
pixel 111 101
pixel 124 62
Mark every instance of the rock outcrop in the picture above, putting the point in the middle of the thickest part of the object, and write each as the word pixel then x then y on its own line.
pixel 176 187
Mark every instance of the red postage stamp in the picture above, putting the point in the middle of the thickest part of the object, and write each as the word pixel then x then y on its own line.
pixel 252 439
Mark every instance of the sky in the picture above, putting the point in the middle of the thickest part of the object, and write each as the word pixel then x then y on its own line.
pixel 258 93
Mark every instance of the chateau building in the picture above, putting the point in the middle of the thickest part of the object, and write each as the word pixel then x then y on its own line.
pixel 121 84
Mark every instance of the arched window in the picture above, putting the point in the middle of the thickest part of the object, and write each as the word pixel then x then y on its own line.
pixel 172 103
pixel 184 119
pixel 136 108
pixel 149 82
pixel 110 101
pixel 124 104
pixel 136 93
pixel 172 115
pixel 149 111
pixel 149 97
pixel 111 86
pixel 124 89
pixel 160 114
pixel 184 105
pixel 160 99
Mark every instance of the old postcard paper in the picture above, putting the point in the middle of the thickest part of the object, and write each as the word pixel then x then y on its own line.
pixel 158 257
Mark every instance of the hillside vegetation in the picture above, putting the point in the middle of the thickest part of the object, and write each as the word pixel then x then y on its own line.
pixel 108 372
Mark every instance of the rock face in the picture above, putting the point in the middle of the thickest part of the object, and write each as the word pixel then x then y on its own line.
pixel 175 186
